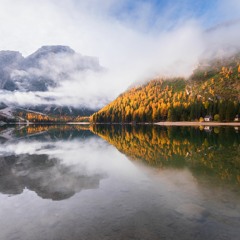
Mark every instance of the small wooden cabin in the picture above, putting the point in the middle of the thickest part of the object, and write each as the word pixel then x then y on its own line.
pixel 208 118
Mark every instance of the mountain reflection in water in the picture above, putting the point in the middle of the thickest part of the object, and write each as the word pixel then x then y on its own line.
pixel 33 162
pixel 47 177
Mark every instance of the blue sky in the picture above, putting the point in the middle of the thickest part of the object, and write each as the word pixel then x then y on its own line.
pixel 143 16
pixel 208 12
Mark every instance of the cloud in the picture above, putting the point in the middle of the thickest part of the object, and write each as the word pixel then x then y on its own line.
pixel 133 41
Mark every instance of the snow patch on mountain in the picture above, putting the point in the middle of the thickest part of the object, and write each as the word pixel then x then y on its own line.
pixel 7 112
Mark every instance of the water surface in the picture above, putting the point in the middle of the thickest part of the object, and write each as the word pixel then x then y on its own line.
pixel 119 182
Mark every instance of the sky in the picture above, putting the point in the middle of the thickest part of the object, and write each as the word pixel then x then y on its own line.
pixel 134 40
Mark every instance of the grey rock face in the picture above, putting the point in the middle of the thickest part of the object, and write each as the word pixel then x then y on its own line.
pixel 44 52
pixel 8 60
pixel 43 69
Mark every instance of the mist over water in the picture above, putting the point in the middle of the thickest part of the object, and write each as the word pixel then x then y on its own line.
pixel 105 182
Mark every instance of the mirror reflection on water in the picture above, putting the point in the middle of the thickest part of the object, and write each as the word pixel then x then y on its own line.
pixel 119 182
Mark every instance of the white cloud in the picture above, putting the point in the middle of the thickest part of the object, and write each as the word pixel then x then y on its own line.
pixel 127 45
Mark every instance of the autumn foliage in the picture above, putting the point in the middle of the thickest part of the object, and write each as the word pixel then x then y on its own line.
pixel 178 147
pixel 213 89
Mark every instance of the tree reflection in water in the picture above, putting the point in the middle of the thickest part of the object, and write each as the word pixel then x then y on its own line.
pixel 212 152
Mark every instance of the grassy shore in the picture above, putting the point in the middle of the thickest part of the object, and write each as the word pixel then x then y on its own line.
pixel 198 123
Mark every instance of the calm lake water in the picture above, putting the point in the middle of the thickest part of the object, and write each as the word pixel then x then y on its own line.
pixel 119 182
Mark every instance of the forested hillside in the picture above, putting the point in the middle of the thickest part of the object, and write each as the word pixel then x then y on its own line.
pixel 213 89
pixel 11 115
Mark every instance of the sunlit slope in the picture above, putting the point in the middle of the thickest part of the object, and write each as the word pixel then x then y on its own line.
pixel 213 89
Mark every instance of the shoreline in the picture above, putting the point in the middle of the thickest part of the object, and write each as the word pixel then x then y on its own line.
pixel 197 123
pixel 78 123
pixel 236 124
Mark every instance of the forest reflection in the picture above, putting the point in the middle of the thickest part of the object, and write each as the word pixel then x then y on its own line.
pixel 209 152
pixel 46 131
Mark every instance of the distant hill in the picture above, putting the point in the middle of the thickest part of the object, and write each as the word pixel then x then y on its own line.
pixel 212 89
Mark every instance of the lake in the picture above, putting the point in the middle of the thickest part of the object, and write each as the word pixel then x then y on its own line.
pixel 71 182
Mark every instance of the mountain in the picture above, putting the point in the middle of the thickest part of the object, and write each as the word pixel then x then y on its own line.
pixel 41 71
pixel 9 60
pixel 34 60
pixel 212 89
